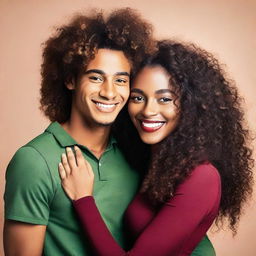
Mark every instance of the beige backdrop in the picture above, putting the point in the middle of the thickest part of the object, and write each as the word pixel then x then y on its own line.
pixel 226 28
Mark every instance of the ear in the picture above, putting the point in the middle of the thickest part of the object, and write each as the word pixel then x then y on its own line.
pixel 70 85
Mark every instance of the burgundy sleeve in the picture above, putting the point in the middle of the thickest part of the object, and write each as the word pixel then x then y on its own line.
pixel 189 213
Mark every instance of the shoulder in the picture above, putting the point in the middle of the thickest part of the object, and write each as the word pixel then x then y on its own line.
pixel 37 151
pixel 205 173
pixel 204 177
pixel 43 140
pixel 31 152
pixel 202 187
pixel 26 162
pixel 30 158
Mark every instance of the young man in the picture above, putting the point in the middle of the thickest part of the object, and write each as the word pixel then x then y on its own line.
pixel 85 83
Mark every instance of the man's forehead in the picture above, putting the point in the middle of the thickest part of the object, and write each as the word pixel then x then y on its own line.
pixel 109 61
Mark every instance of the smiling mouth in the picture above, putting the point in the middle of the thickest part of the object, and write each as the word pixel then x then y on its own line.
pixel 103 107
pixel 150 125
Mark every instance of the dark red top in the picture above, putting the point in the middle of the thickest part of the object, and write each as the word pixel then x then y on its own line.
pixel 174 229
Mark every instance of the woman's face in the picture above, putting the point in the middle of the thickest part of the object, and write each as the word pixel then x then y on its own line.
pixel 151 105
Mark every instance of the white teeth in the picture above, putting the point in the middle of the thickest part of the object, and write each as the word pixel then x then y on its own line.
pixel 152 125
pixel 105 105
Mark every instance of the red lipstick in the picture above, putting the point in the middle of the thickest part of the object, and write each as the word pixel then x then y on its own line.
pixel 151 125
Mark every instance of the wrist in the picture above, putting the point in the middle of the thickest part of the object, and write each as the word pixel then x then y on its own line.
pixel 80 196
pixel 81 199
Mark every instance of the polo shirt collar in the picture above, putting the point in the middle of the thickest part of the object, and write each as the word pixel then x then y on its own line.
pixel 65 139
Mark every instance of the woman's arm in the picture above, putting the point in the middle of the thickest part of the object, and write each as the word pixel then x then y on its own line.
pixel 182 221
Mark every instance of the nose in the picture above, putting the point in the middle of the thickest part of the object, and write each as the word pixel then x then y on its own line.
pixel 108 90
pixel 150 108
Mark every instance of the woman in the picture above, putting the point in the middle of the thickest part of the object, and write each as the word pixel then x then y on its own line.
pixel 194 149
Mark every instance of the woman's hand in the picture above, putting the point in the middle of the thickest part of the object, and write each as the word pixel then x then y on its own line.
pixel 76 174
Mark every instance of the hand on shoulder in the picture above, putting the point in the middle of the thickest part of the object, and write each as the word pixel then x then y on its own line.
pixel 77 177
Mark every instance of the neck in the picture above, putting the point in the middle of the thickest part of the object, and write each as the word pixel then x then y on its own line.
pixel 94 138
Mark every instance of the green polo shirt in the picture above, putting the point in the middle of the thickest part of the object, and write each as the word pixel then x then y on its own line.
pixel 33 192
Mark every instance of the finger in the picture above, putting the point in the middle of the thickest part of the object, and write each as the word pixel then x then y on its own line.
pixel 89 168
pixel 79 156
pixel 62 171
pixel 71 158
pixel 65 164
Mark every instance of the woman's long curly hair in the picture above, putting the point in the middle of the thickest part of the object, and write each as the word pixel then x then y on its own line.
pixel 68 52
pixel 210 129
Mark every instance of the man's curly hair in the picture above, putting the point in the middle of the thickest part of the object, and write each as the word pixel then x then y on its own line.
pixel 210 130
pixel 70 50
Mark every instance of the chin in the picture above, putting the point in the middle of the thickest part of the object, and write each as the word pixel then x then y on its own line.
pixel 104 124
pixel 152 138
pixel 150 141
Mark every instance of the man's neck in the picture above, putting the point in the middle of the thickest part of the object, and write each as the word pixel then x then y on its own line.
pixel 94 138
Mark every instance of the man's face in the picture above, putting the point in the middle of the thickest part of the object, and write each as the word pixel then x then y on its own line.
pixel 102 91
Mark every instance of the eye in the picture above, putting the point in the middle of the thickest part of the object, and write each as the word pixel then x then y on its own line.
pixel 121 81
pixel 137 99
pixel 165 100
pixel 96 79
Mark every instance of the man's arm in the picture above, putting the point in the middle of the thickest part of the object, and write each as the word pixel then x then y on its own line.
pixel 23 239
pixel 28 193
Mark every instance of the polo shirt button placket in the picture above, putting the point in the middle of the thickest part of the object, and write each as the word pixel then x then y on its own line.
pixel 99 170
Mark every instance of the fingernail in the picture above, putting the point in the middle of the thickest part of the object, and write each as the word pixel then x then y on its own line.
pixel 68 149
pixel 63 155
pixel 76 148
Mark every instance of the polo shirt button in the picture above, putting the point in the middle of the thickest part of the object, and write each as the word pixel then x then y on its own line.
pixel 99 164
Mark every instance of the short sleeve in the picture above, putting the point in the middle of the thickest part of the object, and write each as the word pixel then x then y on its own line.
pixel 29 189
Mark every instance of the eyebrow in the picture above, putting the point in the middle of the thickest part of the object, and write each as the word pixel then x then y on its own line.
pixel 157 92
pixel 101 72
pixel 163 91
pixel 137 90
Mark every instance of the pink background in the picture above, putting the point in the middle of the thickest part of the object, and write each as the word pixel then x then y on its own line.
pixel 226 28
